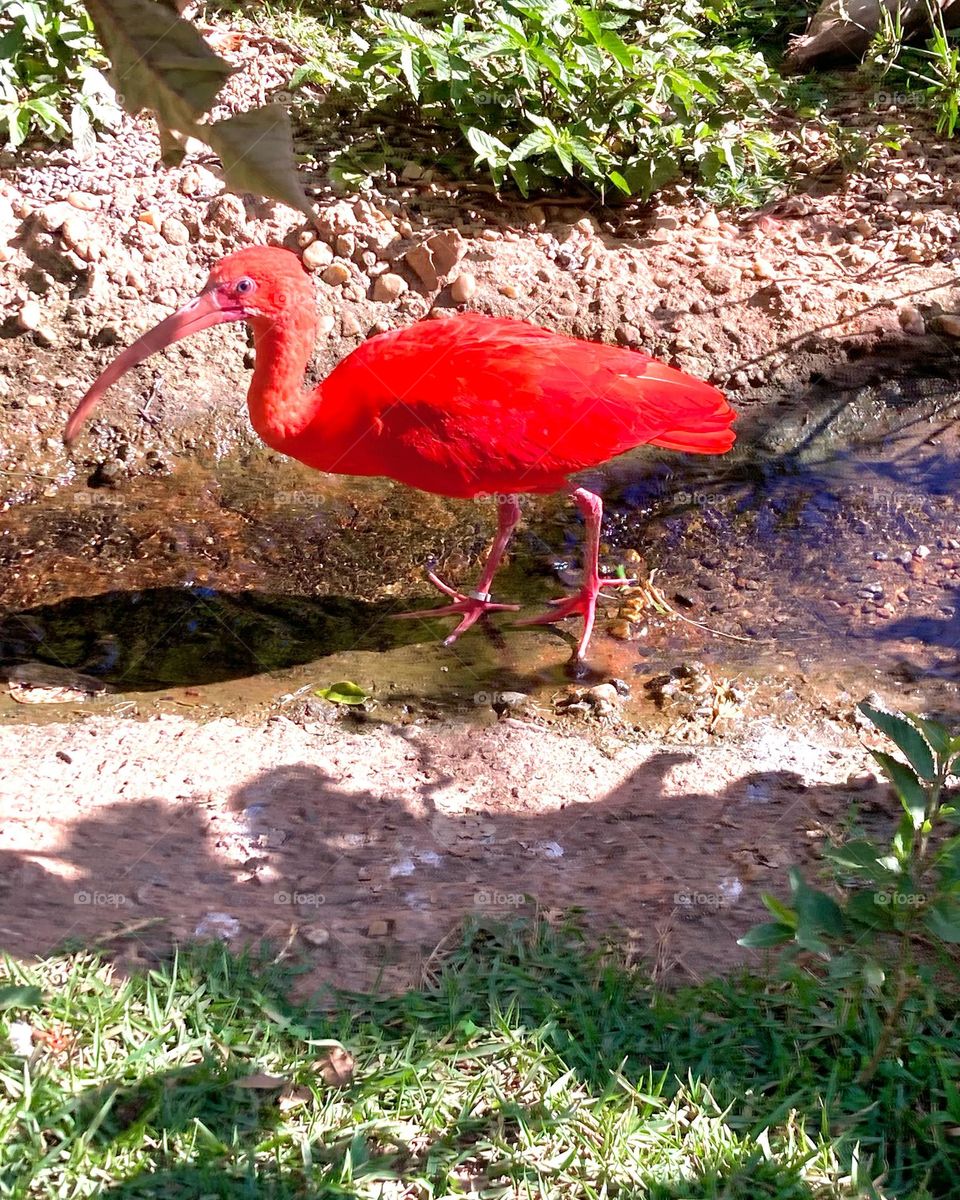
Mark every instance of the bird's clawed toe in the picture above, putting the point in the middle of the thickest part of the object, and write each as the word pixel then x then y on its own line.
pixel 469 608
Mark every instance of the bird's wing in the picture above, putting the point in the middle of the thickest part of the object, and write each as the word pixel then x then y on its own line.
pixel 496 400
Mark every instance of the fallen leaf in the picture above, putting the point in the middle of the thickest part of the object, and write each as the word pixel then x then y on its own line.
pixel 294 1097
pixel 337 1068
pixel 343 692
pixel 261 1081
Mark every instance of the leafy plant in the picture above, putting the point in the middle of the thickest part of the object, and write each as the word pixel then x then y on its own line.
pixel 892 898
pixel 542 91
pixel 50 78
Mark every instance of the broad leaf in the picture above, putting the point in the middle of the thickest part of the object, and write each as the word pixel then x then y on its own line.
pixel 256 150
pixel 161 63
pixel 762 937
pixel 16 996
pixel 343 692
pixel 905 736
pixel 909 789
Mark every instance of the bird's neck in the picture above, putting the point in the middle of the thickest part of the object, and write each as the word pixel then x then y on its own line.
pixel 280 407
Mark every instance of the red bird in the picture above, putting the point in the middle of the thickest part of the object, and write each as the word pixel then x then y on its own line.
pixel 462 407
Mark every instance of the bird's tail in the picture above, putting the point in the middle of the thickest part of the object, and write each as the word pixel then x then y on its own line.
pixel 693 416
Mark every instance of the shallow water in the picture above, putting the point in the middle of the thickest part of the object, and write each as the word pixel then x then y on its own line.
pixel 230 586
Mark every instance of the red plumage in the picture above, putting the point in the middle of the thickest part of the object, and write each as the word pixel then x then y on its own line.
pixel 473 404
pixel 465 405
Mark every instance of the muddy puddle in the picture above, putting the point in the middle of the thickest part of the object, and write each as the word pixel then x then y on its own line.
pixel 822 557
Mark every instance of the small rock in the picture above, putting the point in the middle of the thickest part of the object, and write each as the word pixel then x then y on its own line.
pixel 175 232
pixel 463 288
pixel 30 316
pixel 318 255
pixel 604 694
pixel 508 290
pixel 911 320
pixel 52 216
pixel 627 335
pixel 84 201
pixel 227 213
pixel 718 279
pixel 389 287
pixel 762 269
pixel 436 257
pixel 378 929
pixel 709 220
pixel 922 552
pixel 949 323
pixel 315 935
pixel 349 325
pixel 75 231
pixel 336 274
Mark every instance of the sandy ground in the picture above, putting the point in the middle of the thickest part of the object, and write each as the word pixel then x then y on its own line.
pixel 361 850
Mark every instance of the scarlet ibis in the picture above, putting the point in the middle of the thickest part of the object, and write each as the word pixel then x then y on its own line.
pixel 466 406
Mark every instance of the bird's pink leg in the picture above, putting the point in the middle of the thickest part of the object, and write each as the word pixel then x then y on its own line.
pixel 583 602
pixel 473 606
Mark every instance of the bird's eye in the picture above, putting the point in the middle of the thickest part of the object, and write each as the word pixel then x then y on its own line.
pixel 244 287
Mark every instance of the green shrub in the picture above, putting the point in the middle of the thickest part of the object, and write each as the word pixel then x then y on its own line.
pixel 541 91
pixel 50 82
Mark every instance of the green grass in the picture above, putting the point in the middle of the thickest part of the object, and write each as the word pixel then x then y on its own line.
pixel 532 1068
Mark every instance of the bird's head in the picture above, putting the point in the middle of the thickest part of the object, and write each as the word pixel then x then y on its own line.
pixel 265 285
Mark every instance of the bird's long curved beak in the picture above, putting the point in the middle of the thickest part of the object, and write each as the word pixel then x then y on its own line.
pixel 209 308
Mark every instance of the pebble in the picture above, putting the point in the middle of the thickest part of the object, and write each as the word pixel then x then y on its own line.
pixel 84 201
pixel 709 220
pixel 30 316
pixel 175 232
pixel 349 325
pixel 718 279
pixel 52 216
pixel 315 935
pixel 627 335
pixel 336 274
pixel 508 290
pixel 911 320
pixel 463 288
pixel 949 323
pixel 317 255
pixel 227 213
pixel 389 287
pixel 922 552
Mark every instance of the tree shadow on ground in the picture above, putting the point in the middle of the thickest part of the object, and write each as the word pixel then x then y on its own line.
pixel 389 883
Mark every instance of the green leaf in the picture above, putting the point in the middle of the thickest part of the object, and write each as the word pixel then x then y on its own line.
pixel 762 937
pixel 256 149
pixel 943 920
pixel 784 914
pixel 909 789
pixel 17 996
pixel 905 737
pixel 862 857
pixel 343 692
pixel 936 734
pixel 487 147
pixel 161 63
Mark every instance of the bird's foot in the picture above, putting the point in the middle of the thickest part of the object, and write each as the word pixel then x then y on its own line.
pixel 469 608
pixel 582 603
